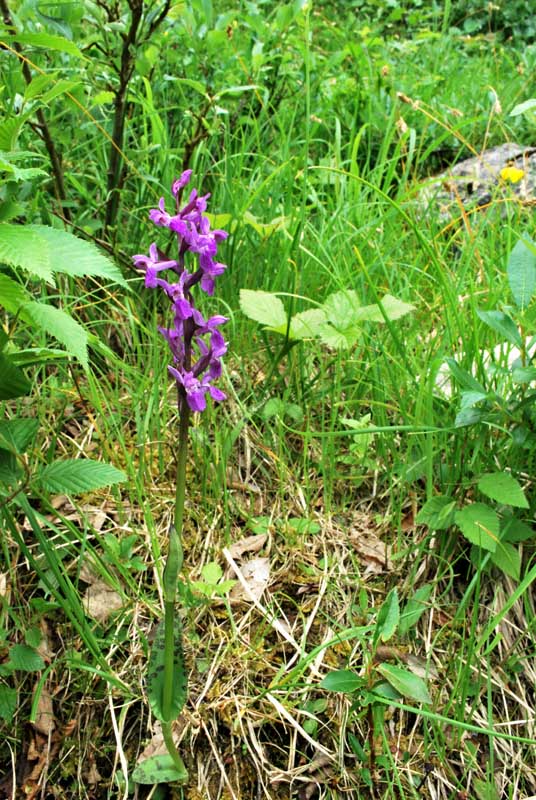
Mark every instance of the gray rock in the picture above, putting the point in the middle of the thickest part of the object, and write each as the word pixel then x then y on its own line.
pixel 476 183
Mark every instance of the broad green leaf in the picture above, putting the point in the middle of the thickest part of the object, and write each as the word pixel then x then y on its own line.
pixel 523 108
pixel 76 257
pixel 212 572
pixel 197 86
pixel 384 689
pixel 8 702
pixel 17 434
pixel 503 324
pixel 521 271
pixel 464 378
pixel 233 90
pixel 265 229
pixel 18 174
pixel 62 326
pixel 25 658
pixel 414 608
pixel 307 324
pixel 48 41
pixel 20 246
pixel 155 674
pixel 388 617
pixel 263 307
pixel 437 513
pixel 10 470
pixel 480 525
pixel 393 309
pixel 405 682
pixel 341 680
pixel 339 340
pixel 9 209
pixel 159 769
pixel 13 382
pixel 38 85
pixel 508 559
pixel 60 87
pixel 514 530
pixel 341 309
pixel 12 294
pixel 503 487
pixel 524 374
pixel 73 476
pixel 37 355
pixel 102 98
pixel 9 132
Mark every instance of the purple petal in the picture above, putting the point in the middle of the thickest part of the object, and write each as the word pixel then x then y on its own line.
pixel 217 394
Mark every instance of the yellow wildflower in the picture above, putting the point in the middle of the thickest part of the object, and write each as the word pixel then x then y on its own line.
pixel 512 174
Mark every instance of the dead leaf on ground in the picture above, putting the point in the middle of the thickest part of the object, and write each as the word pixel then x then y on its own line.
pixel 372 552
pixel 156 746
pixel 44 718
pixel 100 601
pixel 250 544
pixel 254 575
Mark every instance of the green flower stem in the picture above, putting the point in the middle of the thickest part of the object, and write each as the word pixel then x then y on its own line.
pixel 170 580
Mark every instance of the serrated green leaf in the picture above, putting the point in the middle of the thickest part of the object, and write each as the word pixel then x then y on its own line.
pixel 514 530
pixel 437 513
pixel 211 572
pixel 392 307
pixel 8 702
pixel 521 272
pixel 60 87
pixel 12 294
pixel 503 324
pixel 480 525
pixel 25 658
pixel 62 326
pixel 405 682
pixel 388 617
pixel 22 247
pixel 73 476
pixel 414 608
pixel 76 257
pixel 265 229
pixel 9 132
pixel 341 680
pixel 307 324
pixel 155 674
pixel 13 382
pixel 49 41
pixel 504 488
pixel 38 85
pixel 263 307
pixel 37 355
pixel 341 309
pixel 339 339
pixel 159 769
pixel 102 98
pixel 10 471
pixel 9 209
pixel 508 559
pixel 16 434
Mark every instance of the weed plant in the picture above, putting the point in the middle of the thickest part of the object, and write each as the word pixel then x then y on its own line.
pixel 314 134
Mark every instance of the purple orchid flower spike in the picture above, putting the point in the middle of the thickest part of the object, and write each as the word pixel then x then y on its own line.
pixel 197 345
